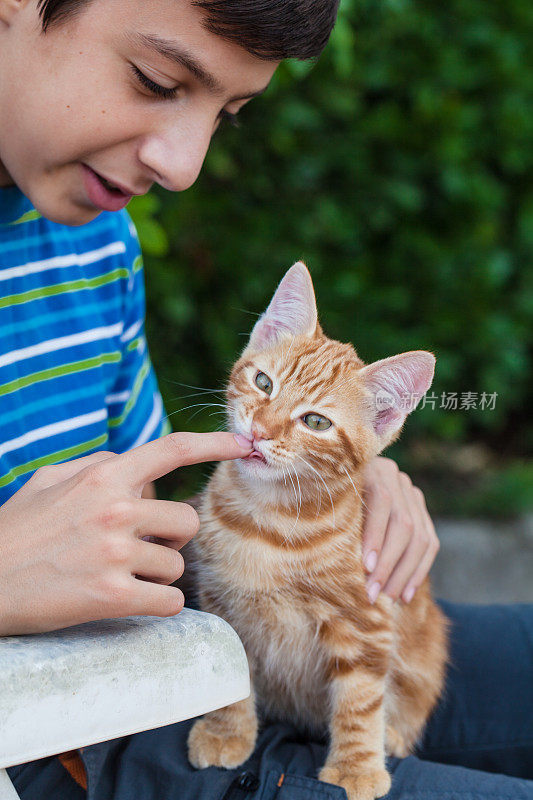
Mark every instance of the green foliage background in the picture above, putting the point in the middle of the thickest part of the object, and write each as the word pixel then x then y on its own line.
pixel 399 167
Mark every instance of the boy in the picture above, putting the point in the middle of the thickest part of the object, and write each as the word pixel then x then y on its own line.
pixel 99 100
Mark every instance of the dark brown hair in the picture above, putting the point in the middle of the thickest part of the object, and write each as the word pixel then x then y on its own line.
pixel 269 29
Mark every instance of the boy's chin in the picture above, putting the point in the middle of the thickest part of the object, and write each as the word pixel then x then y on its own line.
pixel 73 221
pixel 60 202
pixel 68 213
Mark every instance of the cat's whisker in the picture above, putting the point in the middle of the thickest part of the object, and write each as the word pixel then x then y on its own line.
pixel 293 485
pixel 291 480
pixel 325 484
pixel 190 386
pixel 298 505
pixel 354 487
pixel 220 395
pixel 300 493
pixel 319 490
pixel 292 342
pixel 193 415
pixel 202 405
pixel 319 498
pixel 286 352
pixel 173 412
pixel 246 311
pixel 199 407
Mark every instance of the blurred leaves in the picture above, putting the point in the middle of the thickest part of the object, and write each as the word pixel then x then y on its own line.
pixel 143 209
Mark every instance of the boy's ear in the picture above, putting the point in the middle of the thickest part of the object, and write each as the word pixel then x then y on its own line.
pixel 292 310
pixel 396 386
pixel 9 8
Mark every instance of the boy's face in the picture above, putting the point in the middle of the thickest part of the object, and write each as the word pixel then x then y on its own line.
pixel 72 102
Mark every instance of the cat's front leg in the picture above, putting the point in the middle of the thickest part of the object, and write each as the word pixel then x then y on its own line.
pixel 357 670
pixel 224 738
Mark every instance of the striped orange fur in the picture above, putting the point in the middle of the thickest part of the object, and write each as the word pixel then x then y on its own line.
pixel 279 553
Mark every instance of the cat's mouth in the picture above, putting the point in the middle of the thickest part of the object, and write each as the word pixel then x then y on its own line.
pixel 255 455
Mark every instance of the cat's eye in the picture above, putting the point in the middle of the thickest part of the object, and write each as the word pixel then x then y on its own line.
pixel 316 422
pixel 263 382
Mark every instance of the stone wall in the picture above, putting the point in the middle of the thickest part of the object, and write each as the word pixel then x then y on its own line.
pixel 484 561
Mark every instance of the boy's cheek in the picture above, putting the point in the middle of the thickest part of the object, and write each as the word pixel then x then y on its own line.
pixel 42 151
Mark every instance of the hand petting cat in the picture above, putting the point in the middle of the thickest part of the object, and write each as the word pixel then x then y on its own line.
pixel 399 539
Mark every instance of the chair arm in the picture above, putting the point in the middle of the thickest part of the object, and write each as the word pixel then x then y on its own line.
pixel 93 682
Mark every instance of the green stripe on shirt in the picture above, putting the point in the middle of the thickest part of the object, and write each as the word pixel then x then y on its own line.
pixel 61 288
pixel 114 422
pixel 53 458
pixel 29 216
pixel 63 369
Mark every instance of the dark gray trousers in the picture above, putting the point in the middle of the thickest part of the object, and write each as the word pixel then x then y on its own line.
pixel 478 744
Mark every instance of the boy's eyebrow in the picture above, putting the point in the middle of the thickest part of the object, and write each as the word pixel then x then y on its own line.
pixel 170 49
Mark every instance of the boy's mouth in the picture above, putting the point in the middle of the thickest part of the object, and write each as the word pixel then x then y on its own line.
pixel 103 194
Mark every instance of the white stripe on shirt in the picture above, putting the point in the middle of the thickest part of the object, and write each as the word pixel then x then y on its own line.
pixel 132 331
pixel 58 262
pixel 50 346
pixel 121 397
pixel 52 430
pixel 151 424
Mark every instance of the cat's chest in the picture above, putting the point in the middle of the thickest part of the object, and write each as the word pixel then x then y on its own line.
pixel 248 564
pixel 278 627
pixel 280 637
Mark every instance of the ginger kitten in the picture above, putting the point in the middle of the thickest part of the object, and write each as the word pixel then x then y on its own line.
pixel 279 552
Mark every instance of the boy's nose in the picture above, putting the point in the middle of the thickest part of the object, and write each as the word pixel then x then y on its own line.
pixel 175 158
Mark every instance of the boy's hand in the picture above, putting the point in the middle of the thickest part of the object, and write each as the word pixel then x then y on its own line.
pixel 71 540
pixel 399 539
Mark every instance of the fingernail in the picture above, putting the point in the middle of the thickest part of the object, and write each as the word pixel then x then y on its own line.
pixel 242 441
pixel 374 591
pixel 371 560
pixel 408 594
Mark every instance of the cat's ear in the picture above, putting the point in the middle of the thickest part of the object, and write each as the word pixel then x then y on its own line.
pixel 396 386
pixel 292 310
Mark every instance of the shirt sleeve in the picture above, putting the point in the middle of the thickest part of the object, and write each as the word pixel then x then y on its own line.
pixel 135 408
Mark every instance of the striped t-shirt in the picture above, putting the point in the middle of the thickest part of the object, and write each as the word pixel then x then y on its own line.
pixel 75 373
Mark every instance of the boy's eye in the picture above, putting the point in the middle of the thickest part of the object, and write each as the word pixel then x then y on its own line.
pixel 263 382
pixel 317 422
pixel 155 88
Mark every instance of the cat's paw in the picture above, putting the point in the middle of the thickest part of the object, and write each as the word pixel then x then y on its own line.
pixel 366 785
pixel 395 744
pixel 213 748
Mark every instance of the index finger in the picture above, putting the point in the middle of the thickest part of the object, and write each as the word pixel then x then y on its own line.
pixel 149 461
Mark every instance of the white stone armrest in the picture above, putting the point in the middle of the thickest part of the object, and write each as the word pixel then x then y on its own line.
pixel 94 682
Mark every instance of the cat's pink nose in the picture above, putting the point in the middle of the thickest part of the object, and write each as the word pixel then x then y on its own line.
pixel 258 432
